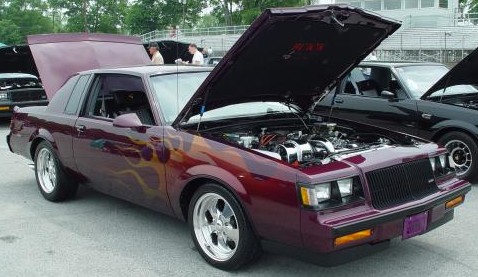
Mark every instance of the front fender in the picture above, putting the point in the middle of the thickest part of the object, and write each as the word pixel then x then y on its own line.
pixel 445 126
pixel 206 171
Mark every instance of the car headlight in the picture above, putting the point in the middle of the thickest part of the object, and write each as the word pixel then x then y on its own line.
pixel 442 165
pixel 331 194
pixel 3 96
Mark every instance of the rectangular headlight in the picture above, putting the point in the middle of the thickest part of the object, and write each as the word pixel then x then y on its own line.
pixel 3 96
pixel 345 186
pixel 331 194
pixel 442 165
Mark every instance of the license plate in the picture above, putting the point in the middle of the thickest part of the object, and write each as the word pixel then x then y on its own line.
pixel 415 225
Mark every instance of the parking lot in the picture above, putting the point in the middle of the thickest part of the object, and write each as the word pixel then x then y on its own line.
pixel 97 235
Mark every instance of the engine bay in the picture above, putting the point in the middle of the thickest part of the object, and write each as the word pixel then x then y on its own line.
pixel 302 144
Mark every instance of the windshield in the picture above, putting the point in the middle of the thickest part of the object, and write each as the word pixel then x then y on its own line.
pixel 419 79
pixel 173 91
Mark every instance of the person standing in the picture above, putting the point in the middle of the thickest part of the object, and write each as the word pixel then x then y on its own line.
pixel 198 58
pixel 156 57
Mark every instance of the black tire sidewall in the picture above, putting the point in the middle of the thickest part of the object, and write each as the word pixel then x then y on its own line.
pixel 472 173
pixel 247 248
pixel 60 191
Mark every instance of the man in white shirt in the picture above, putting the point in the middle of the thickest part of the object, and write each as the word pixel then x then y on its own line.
pixel 198 58
pixel 156 57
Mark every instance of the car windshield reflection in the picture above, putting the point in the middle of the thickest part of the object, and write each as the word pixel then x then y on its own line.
pixel 243 110
pixel 420 79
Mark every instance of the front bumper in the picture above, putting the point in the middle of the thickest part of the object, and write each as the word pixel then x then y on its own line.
pixel 6 108
pixel 319 231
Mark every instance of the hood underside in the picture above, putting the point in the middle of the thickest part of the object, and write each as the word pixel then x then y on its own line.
pixel 291 55
pixel 17 59
pixel 59 56
pixel 464 73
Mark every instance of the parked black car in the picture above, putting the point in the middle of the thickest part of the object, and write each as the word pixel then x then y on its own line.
pixel 20 89
pixel 422 99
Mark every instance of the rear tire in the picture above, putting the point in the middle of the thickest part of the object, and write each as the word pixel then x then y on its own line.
pixel 220 230
pixel 464 151
pixel 51 178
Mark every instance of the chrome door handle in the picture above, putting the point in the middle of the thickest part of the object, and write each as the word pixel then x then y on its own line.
pixel 339 100
pixel 426 116
pixel 80 128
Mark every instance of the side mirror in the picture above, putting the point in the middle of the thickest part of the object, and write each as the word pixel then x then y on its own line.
pixel 388 94
pixel 129 120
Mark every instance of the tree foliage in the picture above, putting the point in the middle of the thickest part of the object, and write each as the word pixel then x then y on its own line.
pixel 470 6
pixel 149 15
pixel 97 16
pixel 243 12
pixel 9 32
pixel 20 18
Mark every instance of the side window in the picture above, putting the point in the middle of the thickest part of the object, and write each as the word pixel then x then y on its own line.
pixel 397 89
pixel 77 95
pixel 371 81
pixel 112 95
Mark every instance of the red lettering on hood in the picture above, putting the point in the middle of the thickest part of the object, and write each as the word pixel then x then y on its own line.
pixel 308 47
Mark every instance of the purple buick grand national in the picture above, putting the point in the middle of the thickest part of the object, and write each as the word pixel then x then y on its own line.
pixel 237 151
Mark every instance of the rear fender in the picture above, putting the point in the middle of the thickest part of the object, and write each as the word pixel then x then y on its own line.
pixel 37 137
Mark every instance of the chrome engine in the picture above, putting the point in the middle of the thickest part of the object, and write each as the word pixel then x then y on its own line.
pixel 306 146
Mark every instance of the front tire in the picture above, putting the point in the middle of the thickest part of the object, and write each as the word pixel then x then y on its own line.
pixel 464 152
pixel 220 229
pixel 51 179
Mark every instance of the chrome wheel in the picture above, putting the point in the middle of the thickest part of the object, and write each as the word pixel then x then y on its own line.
pixel 46 170
pixel 461 155
pixel 215 227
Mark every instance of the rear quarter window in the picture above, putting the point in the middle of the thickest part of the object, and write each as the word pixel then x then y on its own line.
pixel 58 101
pixel 77 95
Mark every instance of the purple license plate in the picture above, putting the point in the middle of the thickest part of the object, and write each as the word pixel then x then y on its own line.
pixel 415 225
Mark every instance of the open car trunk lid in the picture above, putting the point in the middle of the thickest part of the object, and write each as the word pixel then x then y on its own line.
pixel 463 73
pixel 291 55
pixel 59 56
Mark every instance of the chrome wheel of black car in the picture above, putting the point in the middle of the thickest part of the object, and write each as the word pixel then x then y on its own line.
pixel 464 153
pixel 461 155
pixel 219 228
pixel 52 180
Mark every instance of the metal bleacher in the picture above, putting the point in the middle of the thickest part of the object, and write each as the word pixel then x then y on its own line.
pixel 440 44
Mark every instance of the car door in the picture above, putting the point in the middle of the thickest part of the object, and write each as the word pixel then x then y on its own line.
pixel 122 161
pixel 360 97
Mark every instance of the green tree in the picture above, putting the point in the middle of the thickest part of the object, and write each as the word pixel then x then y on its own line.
pixel 149 15
pixel 236 12
pixel 23 18
pixel 471 6
pixel 104 16
pixel 9 32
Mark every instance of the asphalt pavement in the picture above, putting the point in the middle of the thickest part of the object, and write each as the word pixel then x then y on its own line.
pixel 97 235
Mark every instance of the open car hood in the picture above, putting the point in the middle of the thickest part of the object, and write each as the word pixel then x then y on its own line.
pixel 17 59
pixel 291 55
pixel 59 56
pixel 464 73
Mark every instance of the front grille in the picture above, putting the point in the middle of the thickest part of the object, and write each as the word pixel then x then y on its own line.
pixel 27 95
pixel 401 183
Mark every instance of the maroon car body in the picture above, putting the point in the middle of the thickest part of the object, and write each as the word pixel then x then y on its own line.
pixel 281 175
